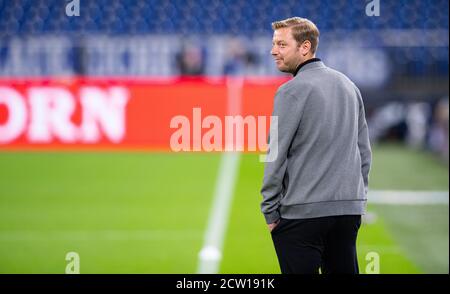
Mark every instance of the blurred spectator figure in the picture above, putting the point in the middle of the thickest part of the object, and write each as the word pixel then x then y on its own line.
pixel 239 60
pixel 190 60
pixel 438 139
pixel 80 59
pixel 417 115
pixel 417 124
pixel 388 122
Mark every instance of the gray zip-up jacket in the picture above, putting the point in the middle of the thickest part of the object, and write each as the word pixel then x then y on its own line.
pixel 324 155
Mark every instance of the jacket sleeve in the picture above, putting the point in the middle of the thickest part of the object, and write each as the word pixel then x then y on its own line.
pixel 288 111
pixel 364 143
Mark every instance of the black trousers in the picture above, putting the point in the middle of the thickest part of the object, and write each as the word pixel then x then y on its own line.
pixel 329 243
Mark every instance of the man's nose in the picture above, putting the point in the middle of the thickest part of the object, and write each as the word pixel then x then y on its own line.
pixel 273 51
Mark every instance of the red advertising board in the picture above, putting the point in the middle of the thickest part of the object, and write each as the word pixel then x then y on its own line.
pixel 122 113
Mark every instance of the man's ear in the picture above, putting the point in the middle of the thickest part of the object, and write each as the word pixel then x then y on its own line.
pixel 305 47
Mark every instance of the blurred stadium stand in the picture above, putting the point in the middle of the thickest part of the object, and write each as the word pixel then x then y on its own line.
pixel 24 17
pixel 413 33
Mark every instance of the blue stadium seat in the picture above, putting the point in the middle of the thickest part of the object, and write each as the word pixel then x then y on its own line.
pixel 29 17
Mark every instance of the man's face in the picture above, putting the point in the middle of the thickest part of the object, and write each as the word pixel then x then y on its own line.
pixel 285 50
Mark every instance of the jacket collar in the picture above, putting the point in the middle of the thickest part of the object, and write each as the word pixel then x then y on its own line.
pixel 310 63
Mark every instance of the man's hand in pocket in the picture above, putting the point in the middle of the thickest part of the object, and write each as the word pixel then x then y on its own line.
pixel 273 225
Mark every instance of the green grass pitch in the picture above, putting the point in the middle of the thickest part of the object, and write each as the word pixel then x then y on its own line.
pixel 147 213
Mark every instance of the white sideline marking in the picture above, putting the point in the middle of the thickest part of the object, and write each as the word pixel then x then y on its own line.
pixel 87 235
pixel 408 197
pixel 211 253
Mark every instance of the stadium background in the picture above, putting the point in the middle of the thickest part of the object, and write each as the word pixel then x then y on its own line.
pixel 85 108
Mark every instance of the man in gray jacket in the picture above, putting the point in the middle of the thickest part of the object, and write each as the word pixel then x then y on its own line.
pixel 314 192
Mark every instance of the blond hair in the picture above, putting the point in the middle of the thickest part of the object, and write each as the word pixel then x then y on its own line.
pixel 302 30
